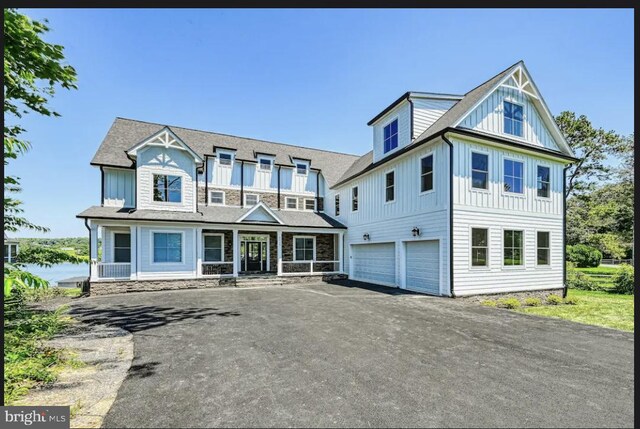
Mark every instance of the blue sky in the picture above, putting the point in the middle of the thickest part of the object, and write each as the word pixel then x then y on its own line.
pixel 307 77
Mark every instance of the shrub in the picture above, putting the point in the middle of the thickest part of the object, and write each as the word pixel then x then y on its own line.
pixel 508 303
pixel 554 299
pixel 488 303
pixel 579 280
pixel 533 302
pixel 623 280
pixel 584 256
pixel 571 300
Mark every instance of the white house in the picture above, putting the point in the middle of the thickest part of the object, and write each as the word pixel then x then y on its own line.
pixel 10 249
pixel 460 195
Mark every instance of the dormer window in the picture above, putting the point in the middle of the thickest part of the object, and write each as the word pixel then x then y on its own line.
pixel 264 164
pixel 225 158
pixel 513 119
pixel 391 136
pixel 301 168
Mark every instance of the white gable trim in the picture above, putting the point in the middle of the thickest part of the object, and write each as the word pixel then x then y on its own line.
pixel 537 101
pixel 167 139
pixel 263 206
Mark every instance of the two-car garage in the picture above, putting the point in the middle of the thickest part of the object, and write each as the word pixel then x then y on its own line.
pixel 379 262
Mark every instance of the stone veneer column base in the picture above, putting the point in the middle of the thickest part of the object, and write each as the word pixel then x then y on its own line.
pixel 125 286
pixel 542 294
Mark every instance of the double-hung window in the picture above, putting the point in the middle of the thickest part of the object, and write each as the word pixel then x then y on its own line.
pixel 291 203
pixel 542 240
pixel 301 168
pixel 479 170
pixel 354 199
pixel 513 242
pixel 337 204
pixel 391 136
pixel 264 164
pixel 167 247
pixel 213 245
pixel 167 188
pixel 303 248
pixel 216 197
pixel 309 204
pixel 513 119
pixel 479 247
pixel 513 176
pixel 121 247
pixel 225 158
pixel 250 200
pixel 543 181
pixel 426 173
pixel 389 187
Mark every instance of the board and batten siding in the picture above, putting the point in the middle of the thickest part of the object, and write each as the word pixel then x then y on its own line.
pixel 107 240
pixel 489 117
pixel 426 111
pixel 119 187
pixel 184 269
pixel 403 113
pixel 158 160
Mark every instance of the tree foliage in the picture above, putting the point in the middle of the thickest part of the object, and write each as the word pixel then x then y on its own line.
pixel 47 256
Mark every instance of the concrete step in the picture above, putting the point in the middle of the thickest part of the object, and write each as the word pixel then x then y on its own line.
pixel 258 282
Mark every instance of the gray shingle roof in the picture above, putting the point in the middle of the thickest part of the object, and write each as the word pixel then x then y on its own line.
pixel 212 214
pixel 125 133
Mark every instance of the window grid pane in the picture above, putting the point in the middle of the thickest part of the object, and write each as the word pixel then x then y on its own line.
pixel 426 173
pixel 513 247
pixel 390 186
pixel 513 176
pixel 167 247
pixel 337 205
pixel 543 248
pixel 391 136
pixel 354 199
pixel 304 249
pixel 479 170
pixel 513 118
pixel 479 247
pixel 543 181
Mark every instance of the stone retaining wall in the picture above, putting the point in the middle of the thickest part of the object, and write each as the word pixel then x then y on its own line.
pixel 541 294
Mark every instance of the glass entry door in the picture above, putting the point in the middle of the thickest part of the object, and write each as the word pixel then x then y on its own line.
pixel 253 253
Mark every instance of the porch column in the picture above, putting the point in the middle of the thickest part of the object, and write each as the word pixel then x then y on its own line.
pixel 199 252
pixel 340 253
pixel 236 253
pixel 93 252
pixel 133 233
pixel 279 234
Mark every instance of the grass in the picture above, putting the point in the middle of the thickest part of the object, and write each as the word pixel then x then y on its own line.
pixel 593 308
pixel 601 282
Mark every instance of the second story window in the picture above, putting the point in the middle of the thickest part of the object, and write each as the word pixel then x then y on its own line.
pixel 354 199
pixel 513 173
pixel 391 136
pixel 265 164
pixel 513 119
pixel 479 170
pixel 309 204
pixel 250 200
pixel 225 158
pixel 291 203
pixel 216 197
pixel 390 187
pixel 167 188
pixel 301 168
pixel 426 173
pixel 337 205
pixel 543 181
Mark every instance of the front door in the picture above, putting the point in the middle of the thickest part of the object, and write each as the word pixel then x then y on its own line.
pixel 253 256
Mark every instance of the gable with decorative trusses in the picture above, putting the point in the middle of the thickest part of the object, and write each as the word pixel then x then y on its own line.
pixel 165 138
pixel 514 109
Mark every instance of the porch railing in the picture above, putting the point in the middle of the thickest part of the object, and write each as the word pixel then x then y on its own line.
pixel 310 267
pixel 217 268
pixel 114 270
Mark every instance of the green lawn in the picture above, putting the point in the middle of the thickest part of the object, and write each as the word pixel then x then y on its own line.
pixel 594 308
pixel 602 282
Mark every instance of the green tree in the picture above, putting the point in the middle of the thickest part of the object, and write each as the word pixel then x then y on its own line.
pixel 33 69
pixel 591 146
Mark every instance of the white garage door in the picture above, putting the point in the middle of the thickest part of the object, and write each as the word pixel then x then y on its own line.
pixel 375 263
pixel 423 266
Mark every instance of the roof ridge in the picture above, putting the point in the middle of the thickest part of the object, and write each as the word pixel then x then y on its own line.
pixel 238 137
pixel 492 77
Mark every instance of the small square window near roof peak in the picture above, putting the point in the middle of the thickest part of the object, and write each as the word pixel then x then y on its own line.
pixel 301 168
pixel 264 163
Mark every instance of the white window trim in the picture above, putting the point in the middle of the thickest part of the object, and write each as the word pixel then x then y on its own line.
pixel 393 170
pixel 336 207
pixel 433 174
pixel 351 199
pixel 543 266
pixel 304 207
pixel 295 168
pixel 486 267
pixel 182 185
pixel 386 124
pixel 286 206
pixel 541 164
pixel 113 233
pixel 151 246
pixel 221 235
pixel 294 247
pixel 224 198
pixel 524 260
pixel 524 177
pixel 225 152
pixel 262 158
pixel 524 118
pixel 488 154
pixel 249 193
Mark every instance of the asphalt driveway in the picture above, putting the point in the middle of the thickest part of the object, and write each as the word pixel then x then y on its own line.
pixel 353 355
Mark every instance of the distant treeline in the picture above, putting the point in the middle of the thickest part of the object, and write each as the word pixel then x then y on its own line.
pixel 80 245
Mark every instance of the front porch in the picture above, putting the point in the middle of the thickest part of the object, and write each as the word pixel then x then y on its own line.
pixel 138 252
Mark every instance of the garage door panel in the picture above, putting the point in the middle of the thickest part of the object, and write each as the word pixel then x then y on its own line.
pixel 375 262
pixel 423 266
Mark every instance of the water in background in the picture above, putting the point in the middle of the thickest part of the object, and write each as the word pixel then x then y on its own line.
pixel 59 272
